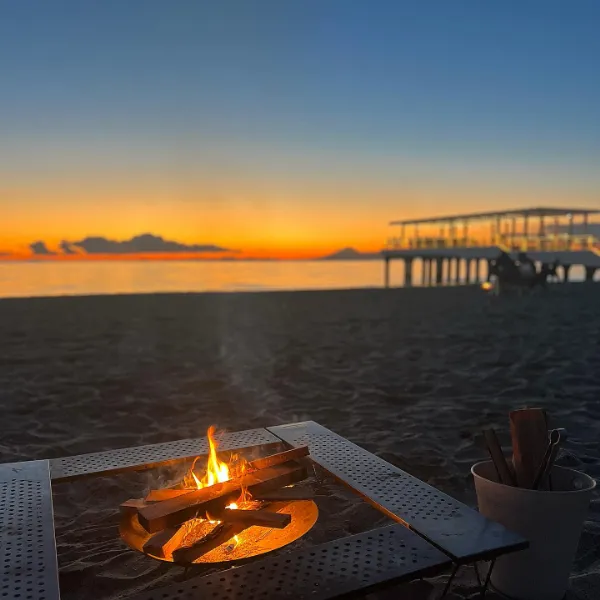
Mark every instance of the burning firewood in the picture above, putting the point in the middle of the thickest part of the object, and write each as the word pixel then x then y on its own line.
pixel 279 458
pixel 166 494
pixel 286 494
pixel 165 542
pixel 219 535
pixel 214 498
pixel 224 532
pixel 260 463
pixel 131 507
pixel 260 518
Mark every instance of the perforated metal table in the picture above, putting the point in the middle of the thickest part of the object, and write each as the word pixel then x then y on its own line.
pixel 459 531
pixel 29 568
pixel 362 562
pixel 151 456
pixel 434 530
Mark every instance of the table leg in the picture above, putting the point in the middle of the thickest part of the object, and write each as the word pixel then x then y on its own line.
pixel 449 582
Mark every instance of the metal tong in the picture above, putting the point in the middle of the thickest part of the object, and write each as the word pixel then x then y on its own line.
pixel 557 436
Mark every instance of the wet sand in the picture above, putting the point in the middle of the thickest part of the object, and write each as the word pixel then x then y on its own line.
pixel 411 374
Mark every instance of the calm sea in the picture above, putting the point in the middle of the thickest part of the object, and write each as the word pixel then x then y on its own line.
pixel 131 277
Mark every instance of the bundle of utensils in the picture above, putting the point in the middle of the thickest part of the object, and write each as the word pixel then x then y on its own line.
pixel 535 450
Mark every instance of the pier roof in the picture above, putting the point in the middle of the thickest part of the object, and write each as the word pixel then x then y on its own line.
pixel 517 213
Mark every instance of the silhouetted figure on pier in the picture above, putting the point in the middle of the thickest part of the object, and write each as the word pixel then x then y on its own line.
pixel 521 274
pixel 550 269
pixel 526 266
pixel 503 267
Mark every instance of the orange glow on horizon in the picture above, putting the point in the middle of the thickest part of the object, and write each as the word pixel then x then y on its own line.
pixel 258 218
pixel 259 254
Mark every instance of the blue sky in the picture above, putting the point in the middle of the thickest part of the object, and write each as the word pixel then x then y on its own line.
pixel 308 93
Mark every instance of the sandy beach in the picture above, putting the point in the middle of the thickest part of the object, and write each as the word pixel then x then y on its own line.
pixel 410 374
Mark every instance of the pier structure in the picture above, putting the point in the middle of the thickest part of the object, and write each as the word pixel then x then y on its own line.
pixel 458 248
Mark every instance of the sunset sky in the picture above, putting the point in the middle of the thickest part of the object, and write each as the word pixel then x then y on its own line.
pixel 289 128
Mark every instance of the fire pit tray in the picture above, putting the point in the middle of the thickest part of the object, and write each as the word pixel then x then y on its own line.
pixel 258 539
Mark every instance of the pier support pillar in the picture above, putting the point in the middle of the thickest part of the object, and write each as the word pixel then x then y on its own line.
pixel 387 273
pixel 455 270
pixel 425 266
pixel 439 270
pixel 468 263
pixel 408 272
pixel 589 273
pixel 566 269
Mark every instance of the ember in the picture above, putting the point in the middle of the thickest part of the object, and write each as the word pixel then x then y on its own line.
pixel 235 509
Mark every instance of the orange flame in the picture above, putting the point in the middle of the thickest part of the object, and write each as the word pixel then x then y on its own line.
pixel 216 470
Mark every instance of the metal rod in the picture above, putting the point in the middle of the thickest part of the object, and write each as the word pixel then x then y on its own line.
pixel 449 582
pixel 487 579
pixel 556 438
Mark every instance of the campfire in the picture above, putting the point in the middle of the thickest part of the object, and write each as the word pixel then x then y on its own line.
pixel 232 510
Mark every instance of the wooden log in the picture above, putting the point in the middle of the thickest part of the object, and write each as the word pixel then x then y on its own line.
pixel 286 494
pixel 212 500
pixel 529 433
pixel 505 476
pixel 165 494
pixel 131 507
pixel 279 458
pixel 260 463
pixel 260 518
pixel 165 542
pixel 219 535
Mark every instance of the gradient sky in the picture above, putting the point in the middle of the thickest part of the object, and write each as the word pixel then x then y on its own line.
pixel 290 127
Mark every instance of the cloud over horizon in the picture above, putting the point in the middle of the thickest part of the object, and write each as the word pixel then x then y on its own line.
pixel 39 248
pixel 146 243
pixel 66 248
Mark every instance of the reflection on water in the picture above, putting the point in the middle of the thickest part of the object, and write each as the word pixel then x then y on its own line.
pixel 131 277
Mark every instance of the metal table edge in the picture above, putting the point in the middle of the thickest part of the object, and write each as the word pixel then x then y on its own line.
pixel 436 563
pixel 45 584
pixel 56 468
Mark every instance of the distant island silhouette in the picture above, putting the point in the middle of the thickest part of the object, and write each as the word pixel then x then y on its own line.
pixel 351 254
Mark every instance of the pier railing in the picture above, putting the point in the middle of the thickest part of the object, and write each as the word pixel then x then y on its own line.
pixel 518 243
